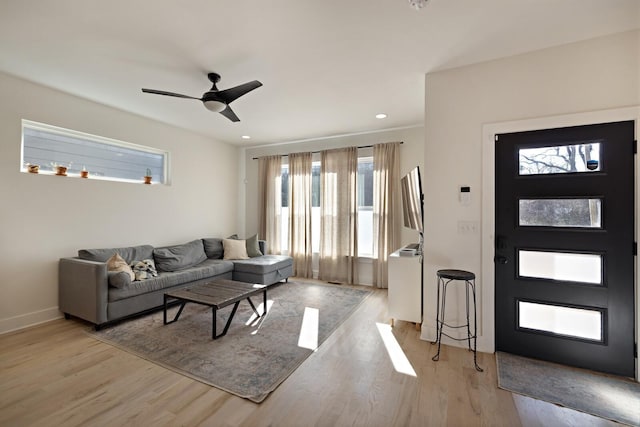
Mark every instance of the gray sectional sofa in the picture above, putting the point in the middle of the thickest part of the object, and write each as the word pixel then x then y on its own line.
pixel 89 291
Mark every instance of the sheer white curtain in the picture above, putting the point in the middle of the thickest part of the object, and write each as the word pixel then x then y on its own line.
pixel 386 231
pixel 300 213
pixel 269 203
pixel 338 216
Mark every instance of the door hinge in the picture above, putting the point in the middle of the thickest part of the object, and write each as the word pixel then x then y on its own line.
pixel 635 248
pixel 635 146
pixel 496 137
pixel 635 350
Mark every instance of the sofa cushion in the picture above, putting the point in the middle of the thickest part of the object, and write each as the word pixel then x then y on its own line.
pixel 179 257
pixel 116 264
pixel 118 279
pixel 262 265
pixel 213 247
pixel 208 268
pixel 129 254
pixel 234 249
pixel 253 249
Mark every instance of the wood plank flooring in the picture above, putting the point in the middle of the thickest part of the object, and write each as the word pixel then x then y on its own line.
pixel 56 375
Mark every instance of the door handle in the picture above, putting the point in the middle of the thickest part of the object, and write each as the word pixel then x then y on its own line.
pixel 500 259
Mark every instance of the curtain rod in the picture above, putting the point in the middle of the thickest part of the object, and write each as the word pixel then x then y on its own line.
pixel 319 151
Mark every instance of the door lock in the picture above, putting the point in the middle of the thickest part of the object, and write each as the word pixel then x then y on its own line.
pixel 500 259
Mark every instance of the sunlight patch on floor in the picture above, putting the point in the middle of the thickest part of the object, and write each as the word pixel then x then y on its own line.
pixel 309 329
pixel 400 362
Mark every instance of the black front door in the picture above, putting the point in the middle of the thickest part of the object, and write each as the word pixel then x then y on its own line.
pixel 564 256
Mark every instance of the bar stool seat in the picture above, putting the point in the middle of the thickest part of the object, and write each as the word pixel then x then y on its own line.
pixel 445 277
pixel 456 275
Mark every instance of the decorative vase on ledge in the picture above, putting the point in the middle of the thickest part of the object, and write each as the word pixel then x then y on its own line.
pixel 84 173
pixel 147 177
pixel 33 168
pixel 61 170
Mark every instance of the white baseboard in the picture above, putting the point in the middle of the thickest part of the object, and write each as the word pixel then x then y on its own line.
pixel 29 319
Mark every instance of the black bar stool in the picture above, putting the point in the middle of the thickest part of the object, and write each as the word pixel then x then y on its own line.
pixel 444 278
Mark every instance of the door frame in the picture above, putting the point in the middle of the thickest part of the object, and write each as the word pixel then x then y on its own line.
pixel 487 341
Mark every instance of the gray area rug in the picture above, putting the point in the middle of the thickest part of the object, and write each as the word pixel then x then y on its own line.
pixel 256 355
pixel 604 396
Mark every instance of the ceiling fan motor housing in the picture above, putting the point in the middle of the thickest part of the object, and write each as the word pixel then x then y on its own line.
pixel 212 102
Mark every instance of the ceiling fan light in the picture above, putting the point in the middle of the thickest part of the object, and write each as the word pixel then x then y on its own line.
pixel 215 106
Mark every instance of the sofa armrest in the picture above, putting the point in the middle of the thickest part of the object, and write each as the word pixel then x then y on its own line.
pixel 83 289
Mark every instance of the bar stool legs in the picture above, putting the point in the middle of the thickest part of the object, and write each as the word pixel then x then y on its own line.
pixel 444 278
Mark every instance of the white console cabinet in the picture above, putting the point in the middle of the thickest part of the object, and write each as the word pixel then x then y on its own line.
pixel 405 288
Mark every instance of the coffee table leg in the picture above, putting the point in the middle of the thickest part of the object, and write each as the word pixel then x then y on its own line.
pixel 165 309
pixel 264 311
pixel 253 307
pixel 213 326
pixel 175 319
pixel 226 327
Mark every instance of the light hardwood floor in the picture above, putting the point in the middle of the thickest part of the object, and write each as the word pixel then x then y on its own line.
pixel 57 375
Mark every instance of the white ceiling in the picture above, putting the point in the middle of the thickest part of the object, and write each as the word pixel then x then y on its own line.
pixel 328 66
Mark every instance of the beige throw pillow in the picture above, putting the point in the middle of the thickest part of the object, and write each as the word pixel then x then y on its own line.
pixel 117 263
pixel 234 249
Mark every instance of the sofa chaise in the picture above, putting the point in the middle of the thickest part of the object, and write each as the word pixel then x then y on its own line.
pixel 88 290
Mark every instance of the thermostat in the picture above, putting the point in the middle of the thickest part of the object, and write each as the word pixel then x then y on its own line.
pixel 465 196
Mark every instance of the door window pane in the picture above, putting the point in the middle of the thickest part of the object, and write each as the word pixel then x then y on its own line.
pixel 568 321
pixel 560 212
pixel 560 159
pixel 584 268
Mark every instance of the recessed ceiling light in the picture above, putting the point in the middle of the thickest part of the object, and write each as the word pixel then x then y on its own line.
pixel 381 116
pixel 246 137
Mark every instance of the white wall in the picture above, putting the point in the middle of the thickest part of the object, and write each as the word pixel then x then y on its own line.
pixel 411 155
pixel 44 218
pixel 587 76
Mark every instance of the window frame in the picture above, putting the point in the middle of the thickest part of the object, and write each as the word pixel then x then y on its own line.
pixel 56 130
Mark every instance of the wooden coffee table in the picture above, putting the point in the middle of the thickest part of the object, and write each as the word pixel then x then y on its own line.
pixel 216 294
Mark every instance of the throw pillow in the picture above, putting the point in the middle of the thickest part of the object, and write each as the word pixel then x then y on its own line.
pixel 117 263
pixel 119 279
pixel 235 249
pixel 213 248
pixel 253 249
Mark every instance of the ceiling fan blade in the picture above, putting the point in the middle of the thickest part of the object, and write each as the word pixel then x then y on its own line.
pixel 162 92
pixel 229 114
pixel 229 95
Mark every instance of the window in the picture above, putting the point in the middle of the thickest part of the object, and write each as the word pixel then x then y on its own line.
pixel 571 267
pixel 559 320
pixel 365 206
pixel 574 212
pixel 104 158
pixel 570 158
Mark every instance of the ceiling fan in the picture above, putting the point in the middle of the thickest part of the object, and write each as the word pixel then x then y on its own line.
pixel 217 100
